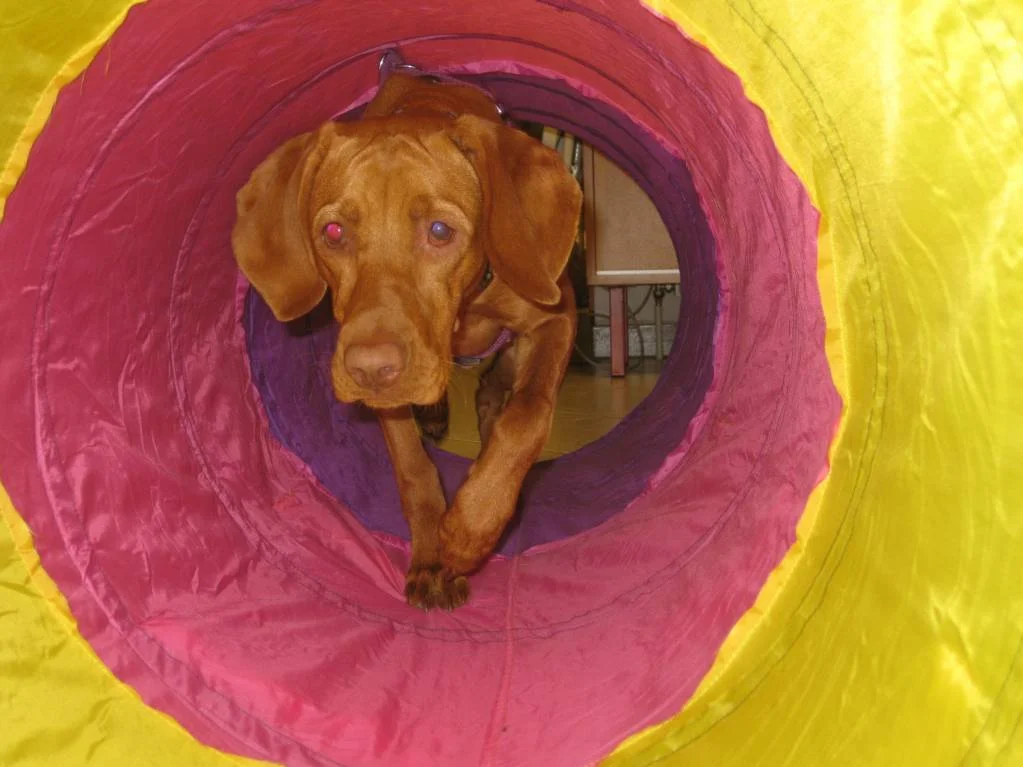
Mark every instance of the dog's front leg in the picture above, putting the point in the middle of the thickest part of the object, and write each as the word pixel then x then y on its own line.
pixel 485 503
pixel 428 584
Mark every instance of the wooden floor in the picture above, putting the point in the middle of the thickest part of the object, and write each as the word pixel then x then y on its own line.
pixel 590 404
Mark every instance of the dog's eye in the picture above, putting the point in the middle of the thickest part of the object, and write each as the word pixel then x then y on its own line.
pixel 440 232
pixel 333 233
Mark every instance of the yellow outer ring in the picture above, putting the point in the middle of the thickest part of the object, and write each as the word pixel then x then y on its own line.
pixel 892 633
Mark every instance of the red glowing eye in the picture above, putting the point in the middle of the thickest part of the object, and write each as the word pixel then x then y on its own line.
pixel 333 233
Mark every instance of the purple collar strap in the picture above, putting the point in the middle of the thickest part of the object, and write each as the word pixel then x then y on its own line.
pixel 504 338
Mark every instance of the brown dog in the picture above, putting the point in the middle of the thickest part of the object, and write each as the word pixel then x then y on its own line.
pixel 437 229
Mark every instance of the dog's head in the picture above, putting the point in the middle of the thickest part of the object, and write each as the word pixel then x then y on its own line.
pixel 398 216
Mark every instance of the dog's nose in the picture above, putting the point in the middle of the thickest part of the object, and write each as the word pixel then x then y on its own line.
pixel 375 366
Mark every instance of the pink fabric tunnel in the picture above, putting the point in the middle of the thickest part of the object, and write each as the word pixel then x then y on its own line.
pixel 228 536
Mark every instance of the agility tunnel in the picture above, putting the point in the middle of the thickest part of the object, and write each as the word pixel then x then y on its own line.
pixel 804 548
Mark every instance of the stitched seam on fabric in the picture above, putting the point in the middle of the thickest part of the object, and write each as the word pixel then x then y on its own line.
pixel 983 44
pixel 499 712
pixel 1003 690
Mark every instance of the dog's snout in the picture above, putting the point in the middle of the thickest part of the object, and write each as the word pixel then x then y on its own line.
pixel 375 366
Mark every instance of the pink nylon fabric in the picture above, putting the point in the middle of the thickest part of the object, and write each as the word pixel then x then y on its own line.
pixel 203 562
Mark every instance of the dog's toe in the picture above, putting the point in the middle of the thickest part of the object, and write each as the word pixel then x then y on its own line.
pixel 435 431
pixel 434 587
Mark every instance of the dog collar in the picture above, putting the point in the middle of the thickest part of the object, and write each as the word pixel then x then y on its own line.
pixel 481 284
pixel 504 338
pixel 487 278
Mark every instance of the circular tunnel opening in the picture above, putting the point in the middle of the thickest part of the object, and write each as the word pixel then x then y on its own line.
pixel 207 557
pixel 342 443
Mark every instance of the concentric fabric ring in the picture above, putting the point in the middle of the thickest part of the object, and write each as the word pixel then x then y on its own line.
pixel 210 551
pixel 208 567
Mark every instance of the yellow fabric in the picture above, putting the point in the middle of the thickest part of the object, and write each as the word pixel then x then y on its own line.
pixel 59 704
pixel 891 635
pixel 43 46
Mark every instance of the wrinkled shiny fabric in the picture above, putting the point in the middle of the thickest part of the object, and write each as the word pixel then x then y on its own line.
pixel 210 568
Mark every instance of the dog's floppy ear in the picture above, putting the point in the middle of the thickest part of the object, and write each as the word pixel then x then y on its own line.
pixel 271 238
pixel 531 206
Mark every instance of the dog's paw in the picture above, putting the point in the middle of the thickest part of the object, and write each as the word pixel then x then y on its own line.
pixel 434 587
pixel 464 547
pixel 433 419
